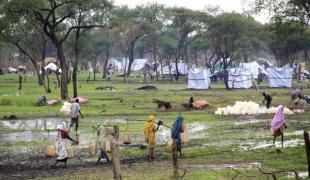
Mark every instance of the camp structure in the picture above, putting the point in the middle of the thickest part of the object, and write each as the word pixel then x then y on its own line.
pixel 280 77
pixel 115 65
pixel 253 67
pixel 171 69
pixel 51 67
pixel 239 78
pixel 12 70
pixel 199 79
pixel 137 64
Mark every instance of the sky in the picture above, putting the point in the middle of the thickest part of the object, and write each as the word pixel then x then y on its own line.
pixel 226 5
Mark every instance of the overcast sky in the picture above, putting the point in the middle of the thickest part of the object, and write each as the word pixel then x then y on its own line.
pixel 226 5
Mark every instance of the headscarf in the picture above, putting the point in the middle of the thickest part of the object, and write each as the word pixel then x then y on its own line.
pixel 149 126
pixel 177 128
pixel 61 126
pixel 278 120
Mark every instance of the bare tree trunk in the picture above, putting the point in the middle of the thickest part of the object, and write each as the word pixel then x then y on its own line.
pixel 20 80
pixel 131 57
pixel 307 146
pixel 63 66
pixel 105 64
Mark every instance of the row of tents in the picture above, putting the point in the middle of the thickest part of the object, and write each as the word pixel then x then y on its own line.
pixel 241 77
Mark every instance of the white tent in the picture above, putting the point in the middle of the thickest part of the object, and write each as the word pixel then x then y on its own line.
pixel 12 70
pixel 51 66
pixel 280 77
pixel 115 64
pixel 239 78
pixel 199 79
pixel 136 65
pixel 182 69
pixel 252 67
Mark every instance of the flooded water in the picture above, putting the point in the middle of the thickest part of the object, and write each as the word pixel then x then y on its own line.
pixel 44 130
pixel 244 139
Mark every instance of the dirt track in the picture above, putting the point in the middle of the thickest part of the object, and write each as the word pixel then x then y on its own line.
pixel 13 167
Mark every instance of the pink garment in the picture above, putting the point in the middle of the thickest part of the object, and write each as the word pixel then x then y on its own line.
pixel 278 121
pixel 81 100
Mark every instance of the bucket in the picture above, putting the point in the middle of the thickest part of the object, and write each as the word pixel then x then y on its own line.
pixel 169 146
pixel 127 138
pixel 184 137
pixel 51 151
pixel 92 148
pixel 70 152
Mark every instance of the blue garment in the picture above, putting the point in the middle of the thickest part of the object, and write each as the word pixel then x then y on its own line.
pixel 177 129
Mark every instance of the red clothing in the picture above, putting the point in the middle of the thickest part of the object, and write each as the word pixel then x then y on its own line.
pixel 64 134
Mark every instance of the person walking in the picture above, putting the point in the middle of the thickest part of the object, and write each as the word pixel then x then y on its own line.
pixel 278 124
pixel 61 139
pixel 149 134
pixel 75 110
pixel 177 129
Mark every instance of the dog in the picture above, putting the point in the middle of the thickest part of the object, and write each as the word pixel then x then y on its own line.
pixel 160 104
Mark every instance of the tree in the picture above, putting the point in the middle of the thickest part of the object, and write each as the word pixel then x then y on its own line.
pixel 154 15
pixel 54 18
pixel 186 26
pixel 89 14
pixel 286 41
pixel 27 36
pixel 130 29
pixel 231 33
pixel 286 10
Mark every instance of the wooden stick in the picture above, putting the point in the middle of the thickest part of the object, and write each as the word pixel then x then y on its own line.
pixel 115 160
pixel 307 146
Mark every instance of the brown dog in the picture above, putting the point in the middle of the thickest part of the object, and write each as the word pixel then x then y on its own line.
pixel 160 104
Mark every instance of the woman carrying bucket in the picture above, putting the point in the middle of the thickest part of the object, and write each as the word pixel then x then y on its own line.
pixel 278 124
pixel 104 134
pixel 149 133
pixel 177 129
pixel 61 139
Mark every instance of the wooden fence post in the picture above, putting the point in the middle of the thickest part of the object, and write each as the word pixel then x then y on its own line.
pixel 175 160
pixel 307 146
pixel 115 160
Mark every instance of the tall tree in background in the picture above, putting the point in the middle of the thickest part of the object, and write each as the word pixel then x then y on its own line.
pixel 27 36
pixel 130 29
pixel 286 10
pixel 231 33
pixel 186 26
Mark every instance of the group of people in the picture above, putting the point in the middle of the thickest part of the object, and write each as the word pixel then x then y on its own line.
pixel 150 129
pixel 104 132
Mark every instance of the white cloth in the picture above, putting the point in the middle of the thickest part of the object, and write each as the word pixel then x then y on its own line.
pixel 280 77
pixel 239 78
pixel 199 79
pixel 61 147
pixel 75 107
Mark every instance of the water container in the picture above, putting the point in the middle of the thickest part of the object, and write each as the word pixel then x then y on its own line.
pixel 127 138
pixel 92 149
pixel 169 146
pixel 185 137
pixel 51 151
pixel 70 152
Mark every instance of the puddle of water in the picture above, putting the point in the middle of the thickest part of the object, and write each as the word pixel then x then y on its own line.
pixel 264 144
pixel 251 121
pixel 37 124
pixel 221 166
pixel 30 132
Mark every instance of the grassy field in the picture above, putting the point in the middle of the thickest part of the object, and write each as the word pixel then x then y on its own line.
pixel 219 144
